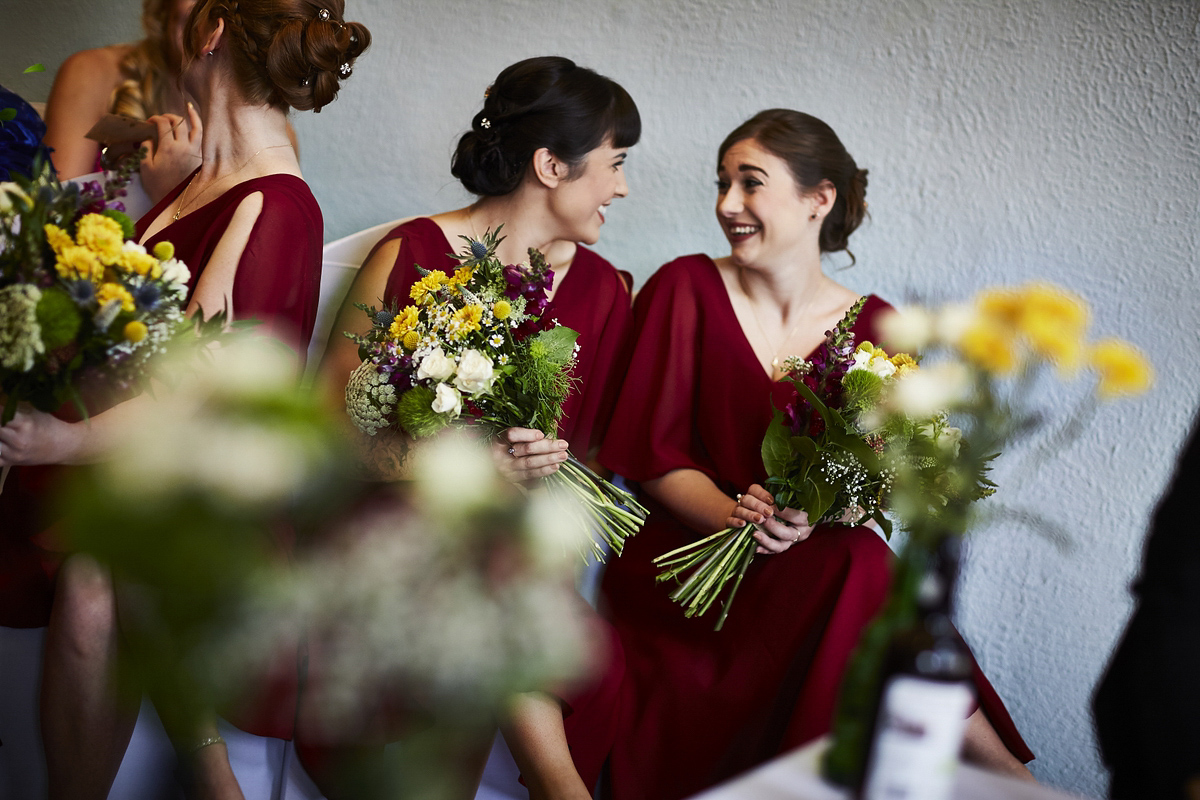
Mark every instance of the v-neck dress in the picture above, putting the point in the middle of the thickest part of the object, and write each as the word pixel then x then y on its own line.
pixel 699 706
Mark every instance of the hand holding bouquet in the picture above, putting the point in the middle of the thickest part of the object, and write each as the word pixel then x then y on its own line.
pixel 830 454
pixel 475 348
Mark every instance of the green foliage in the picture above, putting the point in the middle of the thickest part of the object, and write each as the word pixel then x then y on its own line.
pixel 8 114
pixel 34 68
pixel 861 389
pixel 415 414
pixel 128 230
pixel 58 317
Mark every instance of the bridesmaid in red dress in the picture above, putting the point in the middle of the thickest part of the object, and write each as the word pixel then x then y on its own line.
pixel 546 156
pixel 250 231
pixel 700 706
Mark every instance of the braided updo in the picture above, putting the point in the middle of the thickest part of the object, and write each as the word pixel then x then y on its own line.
pixel 814 154
pixel 284 52
pixel 542 102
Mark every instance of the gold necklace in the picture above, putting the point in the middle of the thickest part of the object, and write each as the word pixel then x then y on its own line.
pixel 183 194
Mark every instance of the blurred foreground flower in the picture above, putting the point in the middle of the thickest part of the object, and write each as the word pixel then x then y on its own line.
pixel 426 606
pixel 987 358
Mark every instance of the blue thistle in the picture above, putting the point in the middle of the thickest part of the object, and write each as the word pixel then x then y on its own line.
pixel 479 249
pixel 147 296
pixel 384 318
pixel 82 292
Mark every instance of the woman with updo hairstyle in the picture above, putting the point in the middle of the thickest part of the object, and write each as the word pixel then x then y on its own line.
pixel 545 155
pixel 700 706
pixel 250 231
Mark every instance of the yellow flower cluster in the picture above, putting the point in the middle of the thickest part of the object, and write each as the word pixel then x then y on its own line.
pixel 468 319
pixel 114 291
pixel 98 244
pixel 404 322
pixel 904 363
pixel 1048 323
pixel 461 277
pixel 423 289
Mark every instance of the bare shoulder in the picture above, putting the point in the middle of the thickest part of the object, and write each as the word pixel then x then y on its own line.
pixel 95 69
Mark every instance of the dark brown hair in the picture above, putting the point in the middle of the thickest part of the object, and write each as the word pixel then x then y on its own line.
pixel 541 102
pixel 814 154
pixel 284 52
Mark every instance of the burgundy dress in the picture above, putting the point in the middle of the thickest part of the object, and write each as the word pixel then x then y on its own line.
pixel 700 706
pixel 592 299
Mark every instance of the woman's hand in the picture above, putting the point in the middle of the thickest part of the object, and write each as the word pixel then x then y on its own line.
pixel 35 437
pixel 522 454
pixel 175 155
pixel 778 528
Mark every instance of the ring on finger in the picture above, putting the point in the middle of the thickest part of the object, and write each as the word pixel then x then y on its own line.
pixel 512 451
pixel 739 498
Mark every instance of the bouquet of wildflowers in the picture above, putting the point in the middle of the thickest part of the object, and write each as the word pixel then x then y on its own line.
pixel 80 303
pixel 476 348
pixel 830 453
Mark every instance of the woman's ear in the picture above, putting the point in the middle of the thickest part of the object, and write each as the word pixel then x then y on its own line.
pixel 823 198
pixel 548 168
pixel 214 37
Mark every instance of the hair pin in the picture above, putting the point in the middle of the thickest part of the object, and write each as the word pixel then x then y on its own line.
pixel 485 123
pixel 345 69
pixel 323 15
pixel 487 93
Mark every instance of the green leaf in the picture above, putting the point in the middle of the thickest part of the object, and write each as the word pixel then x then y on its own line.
pixel 7 114
pixel 559 343
pixel 58 317
pixel 34 68
pixel 776 452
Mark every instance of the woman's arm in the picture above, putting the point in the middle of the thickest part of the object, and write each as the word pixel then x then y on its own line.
pixel 79 97
pixel 535 735
pixel 693 498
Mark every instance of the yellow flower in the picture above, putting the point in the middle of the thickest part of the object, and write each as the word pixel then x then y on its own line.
pixel 102 235
pixel 462 276
pixel 58 239
pixel 79 263
pixel 904 363
pixel 1122 368
pixel 114 291
pixel 1054 320
pixel 164 251
pixel 427 286
pixel 136 331
pixel 132 260
pixel 502 309
pixel 411 340
pixel 468 317
pixel 989 346
pixel 1002 305
pixel 404 322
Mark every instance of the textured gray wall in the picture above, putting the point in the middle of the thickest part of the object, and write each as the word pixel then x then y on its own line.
pixel 1007 140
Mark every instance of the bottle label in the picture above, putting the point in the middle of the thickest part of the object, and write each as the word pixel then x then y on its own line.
pixel 918 739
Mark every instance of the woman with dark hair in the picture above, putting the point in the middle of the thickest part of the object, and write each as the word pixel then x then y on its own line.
pixel 699 706
pixel 248 228
pixel 546 156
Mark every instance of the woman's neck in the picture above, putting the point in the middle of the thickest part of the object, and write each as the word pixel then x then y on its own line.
pixel 791 287
pixel 235 131
pixel 524 225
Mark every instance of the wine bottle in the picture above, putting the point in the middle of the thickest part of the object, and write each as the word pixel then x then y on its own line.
pixel 925 695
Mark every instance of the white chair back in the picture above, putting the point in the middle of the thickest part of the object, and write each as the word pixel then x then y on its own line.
pixel 340 262
pixel 136 201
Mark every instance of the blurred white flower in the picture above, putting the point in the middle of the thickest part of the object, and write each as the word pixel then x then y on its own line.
pixel 908 329
pixel 454 472
pixel 931 389
pixel 953 321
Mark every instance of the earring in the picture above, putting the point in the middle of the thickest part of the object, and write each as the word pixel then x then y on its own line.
pixel 813 216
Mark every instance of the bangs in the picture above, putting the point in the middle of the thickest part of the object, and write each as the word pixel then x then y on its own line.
pixel 624 121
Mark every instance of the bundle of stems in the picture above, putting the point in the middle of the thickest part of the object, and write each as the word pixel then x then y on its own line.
pixel 715 560
pixel 612 514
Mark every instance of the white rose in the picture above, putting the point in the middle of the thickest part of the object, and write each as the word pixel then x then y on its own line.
pixel 175 271
pixel 475 374
pixel 954 321
pixel 950 440
pixel 862 360
pixel 882 367
pixel 436 366
pixel 447 400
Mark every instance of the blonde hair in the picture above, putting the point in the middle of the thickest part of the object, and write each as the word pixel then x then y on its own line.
pixel 144 69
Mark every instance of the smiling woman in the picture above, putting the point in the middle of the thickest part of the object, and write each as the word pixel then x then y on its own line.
pixel 546 156
pixel 695 405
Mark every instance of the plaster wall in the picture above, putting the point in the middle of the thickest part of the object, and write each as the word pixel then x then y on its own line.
pixel 1007 141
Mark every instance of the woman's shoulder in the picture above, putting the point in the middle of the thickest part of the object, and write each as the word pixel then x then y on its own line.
pixel 282 193
pixel 97 65
pixel 696 273
pixel 601 271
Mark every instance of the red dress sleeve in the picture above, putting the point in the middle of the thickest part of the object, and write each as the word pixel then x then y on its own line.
pixel 651 431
